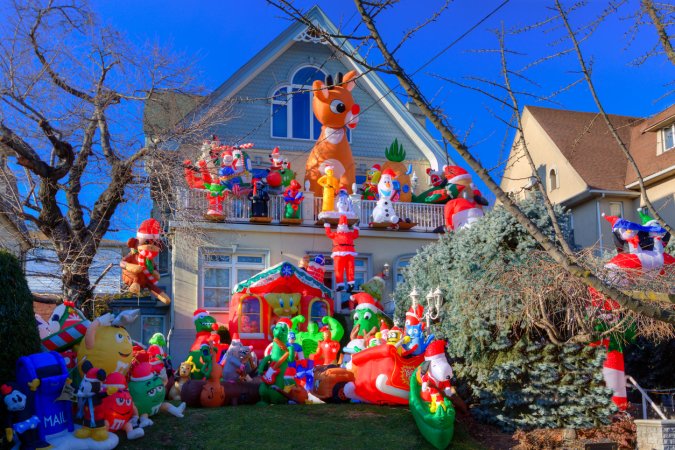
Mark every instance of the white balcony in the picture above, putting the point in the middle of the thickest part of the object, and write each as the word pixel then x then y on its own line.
pixel 191 204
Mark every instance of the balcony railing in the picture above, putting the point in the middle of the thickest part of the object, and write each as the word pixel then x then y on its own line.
pixel 191 204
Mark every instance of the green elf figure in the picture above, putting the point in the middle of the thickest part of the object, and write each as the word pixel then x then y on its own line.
pixel 205 324
pixel 273 366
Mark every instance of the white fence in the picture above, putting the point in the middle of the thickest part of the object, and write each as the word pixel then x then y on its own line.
pixel 191 204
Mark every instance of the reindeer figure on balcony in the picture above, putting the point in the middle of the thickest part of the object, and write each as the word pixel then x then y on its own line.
pixel 335 108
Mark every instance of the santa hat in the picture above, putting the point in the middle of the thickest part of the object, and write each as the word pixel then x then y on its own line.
pixel 235 337
pixel 94 373
pixel 324 328
pixel 149 229
pixel 366 301
pixel 275 152
pixel 435 350
pixel 286 322
pixel 396 329
pixel 383 327
pixel 376 167
pixel 455 174
pixel 154 351
pixel 198 314
pixel 343 221
pixel 414 315
pixel 116 381
pixel 142 372
pixel 389 172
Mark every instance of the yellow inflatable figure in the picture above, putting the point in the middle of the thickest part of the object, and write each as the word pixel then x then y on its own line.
pixel 107 344
pixel 330 186
pixel 284 305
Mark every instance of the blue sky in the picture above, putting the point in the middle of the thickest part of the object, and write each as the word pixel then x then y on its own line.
pixel 223 35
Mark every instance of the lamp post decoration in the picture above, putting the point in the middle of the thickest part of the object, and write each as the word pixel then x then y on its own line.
pixel 434 301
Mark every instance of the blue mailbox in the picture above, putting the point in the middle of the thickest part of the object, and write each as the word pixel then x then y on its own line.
pixel 50 368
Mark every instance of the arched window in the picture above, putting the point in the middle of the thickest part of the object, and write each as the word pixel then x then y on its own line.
pixel 292 115
pixel 250 320
pixel 317 310
pixel 553 179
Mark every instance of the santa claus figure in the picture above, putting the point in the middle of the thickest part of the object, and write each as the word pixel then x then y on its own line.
pixel 466 204
pixel 645 257
pixel 384 209
pixel 139 268
pixel 343 252
pixel 435 375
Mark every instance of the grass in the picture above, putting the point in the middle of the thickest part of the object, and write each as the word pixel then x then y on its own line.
pixel 278 427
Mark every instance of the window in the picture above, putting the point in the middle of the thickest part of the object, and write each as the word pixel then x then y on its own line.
pixel 401 264
pixel 317 310
pixel 250 322
pixel 292 115
pixel 220 272
pixel 553 179
pixel 669 138
pixel 151 325
pixel 616 209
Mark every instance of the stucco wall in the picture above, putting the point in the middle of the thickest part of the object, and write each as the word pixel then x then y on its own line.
pixel 284 244
pixel 662 196
pixel 546 156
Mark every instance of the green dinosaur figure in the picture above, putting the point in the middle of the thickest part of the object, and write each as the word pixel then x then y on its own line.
pixel 437 427
pixel 309 340
pixel 273 367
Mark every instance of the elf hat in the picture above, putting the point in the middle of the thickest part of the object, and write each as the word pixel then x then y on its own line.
pixel 200 313
pixel 435 350
pixel 116 380
pixel 148 230
pixel 366 301
pixel 414 315
pixel 455 174
pixel 286 322
pixel 389 172
pixel 142 372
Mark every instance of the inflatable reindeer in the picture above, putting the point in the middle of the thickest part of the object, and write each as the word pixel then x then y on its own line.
pixel 335 108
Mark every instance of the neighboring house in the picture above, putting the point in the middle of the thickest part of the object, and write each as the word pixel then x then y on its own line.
pixel 13 232
pixel 584 169
pixel 209 259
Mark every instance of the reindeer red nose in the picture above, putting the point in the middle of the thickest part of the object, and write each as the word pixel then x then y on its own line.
pixel 356 109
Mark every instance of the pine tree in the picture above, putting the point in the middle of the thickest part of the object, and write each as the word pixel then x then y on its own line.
pixel 518 378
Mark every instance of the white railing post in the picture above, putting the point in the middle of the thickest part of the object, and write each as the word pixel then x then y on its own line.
pixel 308 208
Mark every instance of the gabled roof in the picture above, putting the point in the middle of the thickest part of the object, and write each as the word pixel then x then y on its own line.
pixel 643 147
pixel 372 82
pixel 585 141
pixel 283 277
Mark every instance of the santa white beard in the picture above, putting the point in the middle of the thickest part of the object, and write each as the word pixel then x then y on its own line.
pixel 343 228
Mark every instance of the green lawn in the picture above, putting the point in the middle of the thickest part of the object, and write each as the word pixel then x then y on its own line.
pixel 290 427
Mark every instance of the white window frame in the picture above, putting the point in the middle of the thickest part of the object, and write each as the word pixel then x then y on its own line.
pixel 616 203
pixel 145 316
pixel 290 87
pixel 670 127
pixel 397 261
pixel 553 186
pixel 233 266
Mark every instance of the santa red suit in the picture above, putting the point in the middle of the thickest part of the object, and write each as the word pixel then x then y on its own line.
pixel 464 208
pixel 343 252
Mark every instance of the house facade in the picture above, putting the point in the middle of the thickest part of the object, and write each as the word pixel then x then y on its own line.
pixel 271 98
pixel 13 232
pixel 584 169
